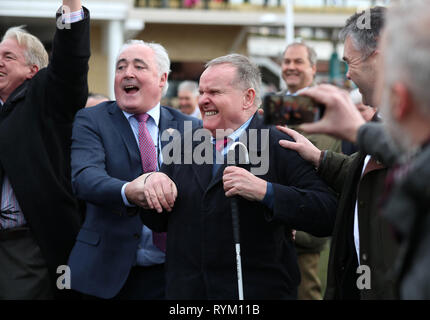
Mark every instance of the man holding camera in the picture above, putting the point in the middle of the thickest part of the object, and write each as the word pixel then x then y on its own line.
pixel 298 71
pixel 401 91
pixel 361 235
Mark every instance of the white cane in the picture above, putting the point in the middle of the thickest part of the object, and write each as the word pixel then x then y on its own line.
pixel 231 160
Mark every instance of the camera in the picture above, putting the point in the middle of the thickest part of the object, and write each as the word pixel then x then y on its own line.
pixel 290 110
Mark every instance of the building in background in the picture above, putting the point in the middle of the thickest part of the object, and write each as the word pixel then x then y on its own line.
pixel 196 31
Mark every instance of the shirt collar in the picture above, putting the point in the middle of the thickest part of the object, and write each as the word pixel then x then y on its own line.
pixel 236 134
pixel 154 113
pixel 297 92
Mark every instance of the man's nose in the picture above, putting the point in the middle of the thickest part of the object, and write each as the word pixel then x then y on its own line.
pixel 129 72
pixel 203 99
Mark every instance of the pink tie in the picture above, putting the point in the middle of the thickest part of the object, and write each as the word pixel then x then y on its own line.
pixel 148 156
pixel 220 144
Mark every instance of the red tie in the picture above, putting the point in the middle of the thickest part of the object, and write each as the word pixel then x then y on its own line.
pixel 148 156
pixel 220 144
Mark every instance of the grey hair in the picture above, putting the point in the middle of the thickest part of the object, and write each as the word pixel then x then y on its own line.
pixel 190 86
pixel 248 75
pixel 312 55
pixel 364 39
pixel 407 54
pixel 34 53
pixel 161 56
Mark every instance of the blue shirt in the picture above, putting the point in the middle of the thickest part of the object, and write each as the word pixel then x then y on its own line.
pixel 269 197
pixel 147 253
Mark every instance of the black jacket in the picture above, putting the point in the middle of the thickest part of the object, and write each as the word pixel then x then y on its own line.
pixel 201 260
pixel 36 127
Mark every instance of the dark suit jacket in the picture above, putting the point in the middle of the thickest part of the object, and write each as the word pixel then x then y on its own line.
pixel 35 129
pixel 201 260
pixel 105 155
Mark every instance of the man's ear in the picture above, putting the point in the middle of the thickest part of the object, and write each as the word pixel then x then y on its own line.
pixel 401 101
pixel 163 79
pixel 248 98
pixel 33 70
pixel 314 70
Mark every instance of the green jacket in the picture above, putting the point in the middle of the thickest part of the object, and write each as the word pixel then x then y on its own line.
pixel 305 242
pixel 377 246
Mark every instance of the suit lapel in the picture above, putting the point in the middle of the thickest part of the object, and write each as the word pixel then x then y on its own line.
pixel 124 130
pixel 167 122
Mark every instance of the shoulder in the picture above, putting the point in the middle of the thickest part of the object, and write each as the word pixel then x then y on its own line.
pixel 98 113
pixel 179 116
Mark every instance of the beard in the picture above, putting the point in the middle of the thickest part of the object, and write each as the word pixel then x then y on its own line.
pixel 399 136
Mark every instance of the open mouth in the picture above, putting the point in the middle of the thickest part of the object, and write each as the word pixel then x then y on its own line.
pixel 131 89
pixel 2 74
pixel 210 113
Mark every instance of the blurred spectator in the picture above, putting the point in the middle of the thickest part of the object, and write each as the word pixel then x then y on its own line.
pixel 298 71
pixel 188 94
pixel 95 99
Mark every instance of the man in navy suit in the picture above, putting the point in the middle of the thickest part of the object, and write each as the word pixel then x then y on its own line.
pixel 284 194
pixel 115 256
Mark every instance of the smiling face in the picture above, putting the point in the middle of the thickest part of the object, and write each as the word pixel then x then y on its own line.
pixel 14 69
pixel 361 71
pixel 223 104
pixel 297 71
pixel 187 101
pixel 138 84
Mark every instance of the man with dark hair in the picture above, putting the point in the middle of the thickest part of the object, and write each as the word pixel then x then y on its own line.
pixel 361 236
pixel 402 92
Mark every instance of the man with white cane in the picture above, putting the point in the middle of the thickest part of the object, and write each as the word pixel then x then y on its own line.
pixel 278 191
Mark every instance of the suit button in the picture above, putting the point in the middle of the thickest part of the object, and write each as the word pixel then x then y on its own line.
pixel 361 203
pixel 136 236
pixel 364 257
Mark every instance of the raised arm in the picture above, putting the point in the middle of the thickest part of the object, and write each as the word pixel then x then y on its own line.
pixel 67 84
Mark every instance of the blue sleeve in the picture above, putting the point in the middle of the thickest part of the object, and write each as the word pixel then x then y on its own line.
pixel 269 197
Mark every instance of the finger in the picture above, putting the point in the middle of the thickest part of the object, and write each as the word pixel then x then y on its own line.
pixel 148 199
pixel 231 193
pixel 314 127
pixel 321 94
pixel 168 193
pixel 289 145
pixel 174 190
pixel 292 133
pixel 154 200
pixel 161 197
pixel 228 185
